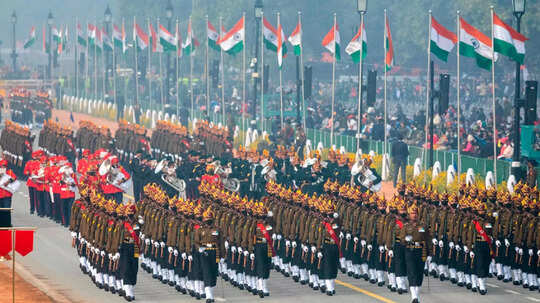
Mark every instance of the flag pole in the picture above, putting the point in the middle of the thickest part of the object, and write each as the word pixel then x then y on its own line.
pixel 222 72
pixel 149 69
pixel 244 77
pixel 458 93
pixel 359 119
pixel 103 60
pixel 333 83
pixel 86 55
pixel 424 150
pixel 76 46
pixel 207 73
pixel 160 69
pixel 302 71
pixel 190 35
pixel 95 61
pixel 262 72
pixel 385 77
pixel 114 67
pixel 493 98
pixel 136 64
pixel 280 84
pixel 178 48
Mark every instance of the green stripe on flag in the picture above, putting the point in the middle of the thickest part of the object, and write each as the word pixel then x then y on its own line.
pixel 297 50
pixel 236 49
pixel 439 52
pixel 213 45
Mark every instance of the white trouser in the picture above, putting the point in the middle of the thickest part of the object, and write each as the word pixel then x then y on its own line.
pixel 129 290
pixel 330 285
pixel 209 291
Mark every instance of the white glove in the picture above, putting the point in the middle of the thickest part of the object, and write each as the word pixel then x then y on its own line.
pixel 288 243
pixel 369 247
pixel 506 242
pixel 319 255
pixel 274 236
pixel 143 236
pixel 252 257
pixel 451 244
pixel 458 248
pixel 201 250
pixel 363 242
pixel 110 256
pixel 305 248
pixel 408 238
pixel 226 244
pixel 162 244
pixel 190 258
pixel 381 249
pixel 116 256
pixel 233 249
pixel 348 236
pixel 147 241
pixel 472 254
pixel 355 239
pixel 441 244
pixel 498 243
pixel 530 252
pixel 434 241
pixel 294 244
pixel 279 237
pixel 517 249
pixel 521 251
pixel 176 252
pixel 170 249
pixel 184 256
pixel 465 249
pixel 240 250
pixel 73 234
pixel 246 253
pixel 341 235
pixel 538 252
pixel 102 253
pixel 391 253
pixel 313 249
pixel 156 244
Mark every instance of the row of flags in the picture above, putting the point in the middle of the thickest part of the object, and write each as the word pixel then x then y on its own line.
pixel 472 42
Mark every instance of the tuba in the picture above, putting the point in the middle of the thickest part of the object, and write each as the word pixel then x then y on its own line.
pixel 176 183
pixel 231 184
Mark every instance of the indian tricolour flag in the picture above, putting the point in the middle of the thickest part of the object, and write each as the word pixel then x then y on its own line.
pixel 442 40
pixel 166 39
pixel 233 41
pixel 508 41
pixel 296 39
pixel 191 43
pixel 213 36
pixel 389 46
pixel 140 37
pixel 270 35
pixel 281 49
pixel 80 36
pixel 156 46
pixel 119 38
pixel 31 39
pixel 473 43
pixel 99 40
pixel 332 41
pixel 91 34
pixel 107 42
pixel 57 35
pixel 358 42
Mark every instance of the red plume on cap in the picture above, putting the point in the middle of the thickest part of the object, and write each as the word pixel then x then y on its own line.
pixel 3 163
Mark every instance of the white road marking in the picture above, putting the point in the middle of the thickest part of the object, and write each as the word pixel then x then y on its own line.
pixel 219 299
pixel 512 292
pixel 533 299
pixel 492 285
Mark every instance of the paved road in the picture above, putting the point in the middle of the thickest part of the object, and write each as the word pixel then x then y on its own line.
pixel 54 262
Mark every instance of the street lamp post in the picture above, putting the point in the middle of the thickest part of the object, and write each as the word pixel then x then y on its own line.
pixel 519 10
pixel 169 15
pixel 49 66
pixel 108 20
pixel 256 77
pixel 14 53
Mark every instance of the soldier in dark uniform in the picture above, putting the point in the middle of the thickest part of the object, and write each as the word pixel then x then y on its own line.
pixel 207 244
pixel 329 251
pixel 416 248
pixel 129 252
